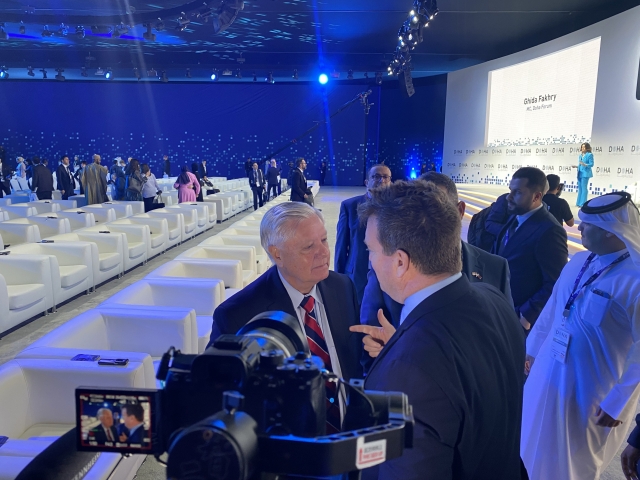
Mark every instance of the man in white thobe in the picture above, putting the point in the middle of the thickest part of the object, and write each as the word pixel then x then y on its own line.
pixel 584 351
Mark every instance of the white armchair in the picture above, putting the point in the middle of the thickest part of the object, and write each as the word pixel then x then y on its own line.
pixel 158 232
pixel 25 289
pixel 201 295
pixel 3 215
pixel 77 219
pixel 227 270
pixel 107 252
pixel 5 201
pixel 136 207
pixel 239 230
pixel 202 214
pixel 65 204
pixel 122 210
pixel 189 220
pixel 16 233
pixel 247 223
pixel 244 255
pixel 44 206
pixel 71 266
pixel 81 200
pixel 174 224
pixel 20 210
pixel 48 225
pixel 135 239
pixel 101 215
pixel 223 238
pixel 223 205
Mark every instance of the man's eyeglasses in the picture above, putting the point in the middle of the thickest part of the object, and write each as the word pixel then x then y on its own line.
pixel 377 177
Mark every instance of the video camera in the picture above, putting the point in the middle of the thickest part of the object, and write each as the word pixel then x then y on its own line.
pixel 251 405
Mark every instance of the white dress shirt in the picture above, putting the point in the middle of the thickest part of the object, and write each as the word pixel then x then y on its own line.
pixel 321 316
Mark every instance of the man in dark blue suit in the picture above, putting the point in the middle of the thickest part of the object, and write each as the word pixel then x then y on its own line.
pixel 459 351
pixel 64 178
pixel 352 257
pixel 132 431
pixel 477 266
pixel 534 244
pixel 294 236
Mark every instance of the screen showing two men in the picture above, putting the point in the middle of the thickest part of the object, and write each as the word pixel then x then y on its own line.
pixel 118 421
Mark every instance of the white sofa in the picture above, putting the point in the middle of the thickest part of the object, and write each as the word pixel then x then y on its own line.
pixel 227 270
pixel 224 238
pixel 107 252
pixel 135 241
pixel 205 220
pixel 223 205
pixel 122 210
pixel 71 266
pixel 189 220
pixel 174 224
pixel 21 210
pixel 244 255
pixel 77 220
pixel 158 237
pixel 101 215
pixel 201 295
pixel 16 233
pixel 136 207
pixel 45 206
pixel 26 288
pixel 47 226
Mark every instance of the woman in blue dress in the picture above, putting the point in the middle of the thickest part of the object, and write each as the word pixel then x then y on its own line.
pixel 585 163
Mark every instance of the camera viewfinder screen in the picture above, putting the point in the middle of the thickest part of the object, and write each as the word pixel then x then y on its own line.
pixel 115 421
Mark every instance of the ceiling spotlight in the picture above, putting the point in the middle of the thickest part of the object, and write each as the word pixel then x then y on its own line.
pixel 412 13
pixel 59 76
pixel 239 73
pixel 121 30
pixel 269 78
pixel 22 29
pixel 188 74
pixel 378 78
pixel 108 74
pixel 44 73
pixel 255 77
pixel 350 75
pixel 30 72
pixel 295 74
pixel 136 73
pixel 183 23
pixel 4 74
pixel 159 26
pixel 80 33
pixel 323 79
pixel 63 31
pixel 46 32
pixel 149 35
pixel 83 72
pixel 164 78
pixel 214 75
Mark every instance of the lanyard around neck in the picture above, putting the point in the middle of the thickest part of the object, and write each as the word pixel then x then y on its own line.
pixel 593 278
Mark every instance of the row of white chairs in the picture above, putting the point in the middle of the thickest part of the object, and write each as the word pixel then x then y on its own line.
pixel 171 306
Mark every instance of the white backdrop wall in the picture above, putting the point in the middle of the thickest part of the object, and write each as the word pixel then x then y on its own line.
pixel 616 118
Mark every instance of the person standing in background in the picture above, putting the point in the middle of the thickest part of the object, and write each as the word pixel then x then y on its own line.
pixel 94 180
pixel 150 189
pixel 79 172
pixel 42 181
pixel 135 182
pixel 187 185
pixel 273 179
pixel 585 163
pixel 323 172
pixel 558 207
pixel 248 166
pixel 65 178
pixel 299 190
pixel 5 177
pixel 196 173
pixel 256 181
pixel 167 166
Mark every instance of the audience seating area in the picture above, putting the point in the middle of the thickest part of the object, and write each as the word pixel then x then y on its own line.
pixel 83 247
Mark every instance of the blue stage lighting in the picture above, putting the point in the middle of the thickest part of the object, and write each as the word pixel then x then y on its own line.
pixel 108 74
pixel 413 175
pixel 323 78
pixel 213 76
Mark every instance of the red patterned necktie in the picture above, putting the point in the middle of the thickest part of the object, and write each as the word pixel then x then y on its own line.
pixel 318 347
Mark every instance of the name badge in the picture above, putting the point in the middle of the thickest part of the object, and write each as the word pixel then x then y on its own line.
pixel 560 345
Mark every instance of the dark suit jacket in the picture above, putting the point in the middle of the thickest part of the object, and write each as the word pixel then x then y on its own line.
pixel 65 180
pixel 477 266
pixel 252 181
pixel 42 179
pixel 99 435
pixel 537 252
pixel 138 435
pixel 352 257
pixel 298 186
pixel 267 293
pixel 272 175
pixel 458 356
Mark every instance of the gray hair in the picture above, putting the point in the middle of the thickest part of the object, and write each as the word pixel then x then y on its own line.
pixel 279 223
pixel 102 410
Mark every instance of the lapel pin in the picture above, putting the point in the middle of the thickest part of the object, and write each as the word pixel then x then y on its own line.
pixel 477 275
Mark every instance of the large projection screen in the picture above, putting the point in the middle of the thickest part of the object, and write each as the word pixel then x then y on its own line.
pixel 547 100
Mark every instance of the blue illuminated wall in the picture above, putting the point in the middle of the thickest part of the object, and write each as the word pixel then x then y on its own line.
pixel 223 123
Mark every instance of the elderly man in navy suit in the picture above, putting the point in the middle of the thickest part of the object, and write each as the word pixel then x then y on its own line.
pixel 352 258
pixel 534 244
pixel 459 350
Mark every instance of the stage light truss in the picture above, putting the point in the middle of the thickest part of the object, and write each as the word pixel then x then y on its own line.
pixel 411 34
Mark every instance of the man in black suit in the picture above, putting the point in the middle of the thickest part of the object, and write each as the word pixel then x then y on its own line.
pixel 64 178
pixel 299 190
pixel 301 285
pixel 132 430
pixel 477 266
pixel 534 244
pixel 256 181
pixel 42 180
pixel 352 257
pixel 5 177
pixel 459 351
pixel 166 166
pixel 106 431
pixel 273 179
